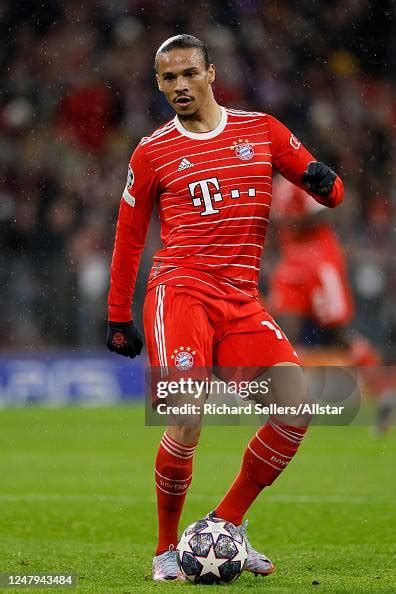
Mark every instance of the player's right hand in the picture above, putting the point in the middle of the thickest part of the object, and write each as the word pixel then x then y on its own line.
pixel 124 339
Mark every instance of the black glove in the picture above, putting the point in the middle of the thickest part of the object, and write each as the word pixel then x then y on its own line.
pixel 124 339
pixel 318 178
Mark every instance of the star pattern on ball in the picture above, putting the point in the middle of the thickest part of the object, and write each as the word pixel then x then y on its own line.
pixel 241 554
pixel 217 528
pixel 210 563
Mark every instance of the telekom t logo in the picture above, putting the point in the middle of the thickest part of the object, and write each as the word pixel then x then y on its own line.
pixel 206 198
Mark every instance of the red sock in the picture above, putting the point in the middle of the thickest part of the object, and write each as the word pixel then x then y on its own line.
pixel 173 472
pixel 267 455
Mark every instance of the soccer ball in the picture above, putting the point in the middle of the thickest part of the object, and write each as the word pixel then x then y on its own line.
pixel 211 551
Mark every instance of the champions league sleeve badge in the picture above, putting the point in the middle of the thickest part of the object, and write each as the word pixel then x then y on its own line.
pixel 130 178
pixel 126 195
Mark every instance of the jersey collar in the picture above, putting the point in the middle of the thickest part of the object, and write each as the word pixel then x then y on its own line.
pixel 203 135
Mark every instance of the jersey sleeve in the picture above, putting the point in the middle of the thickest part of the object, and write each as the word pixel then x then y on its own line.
pixel 291 158
pixel 134 215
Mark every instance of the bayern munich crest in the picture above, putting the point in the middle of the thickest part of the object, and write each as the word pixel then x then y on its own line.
pixel 243 149
pixel 183 358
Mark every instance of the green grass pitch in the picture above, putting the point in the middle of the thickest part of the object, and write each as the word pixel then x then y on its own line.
pixel 77 495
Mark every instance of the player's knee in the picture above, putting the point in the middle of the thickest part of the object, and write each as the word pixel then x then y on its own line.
pixel 185 434
pixel 289 394
pixel 185 410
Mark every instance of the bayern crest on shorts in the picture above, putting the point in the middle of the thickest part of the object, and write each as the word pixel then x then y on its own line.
pixel 183 358
pixel 243 149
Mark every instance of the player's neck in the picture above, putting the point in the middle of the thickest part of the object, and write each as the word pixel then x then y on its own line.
pixel 206 119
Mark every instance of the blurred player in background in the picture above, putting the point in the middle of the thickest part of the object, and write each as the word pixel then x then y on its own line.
pixel 310 280
pixel 209 171
pixel 309 290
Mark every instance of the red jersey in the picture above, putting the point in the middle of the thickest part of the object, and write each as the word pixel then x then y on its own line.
pixel 290 206
pixel 213 192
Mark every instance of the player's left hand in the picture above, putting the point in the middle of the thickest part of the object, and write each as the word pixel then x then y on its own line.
pixel 318 178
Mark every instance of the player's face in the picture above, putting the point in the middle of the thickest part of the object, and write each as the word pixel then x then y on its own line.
pixel 184 80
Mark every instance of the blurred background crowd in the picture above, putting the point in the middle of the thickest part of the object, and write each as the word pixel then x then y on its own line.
pixel 78 92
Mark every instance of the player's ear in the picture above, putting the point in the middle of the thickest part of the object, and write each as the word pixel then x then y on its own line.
pixel 158 82
pixel 211 73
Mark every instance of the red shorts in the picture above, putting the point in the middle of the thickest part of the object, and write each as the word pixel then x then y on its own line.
pixel 315 287
pixel 186 330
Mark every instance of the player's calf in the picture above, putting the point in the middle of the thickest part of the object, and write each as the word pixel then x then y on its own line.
pixel 173 471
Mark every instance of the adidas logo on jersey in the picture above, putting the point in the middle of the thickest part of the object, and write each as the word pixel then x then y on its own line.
pixel 184 164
